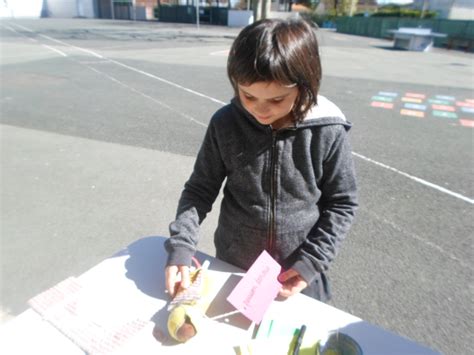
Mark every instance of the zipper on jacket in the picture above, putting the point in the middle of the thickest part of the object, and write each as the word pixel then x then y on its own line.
pixel 272 228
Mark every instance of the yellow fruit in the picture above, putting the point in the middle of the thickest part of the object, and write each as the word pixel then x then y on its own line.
pixel 189 306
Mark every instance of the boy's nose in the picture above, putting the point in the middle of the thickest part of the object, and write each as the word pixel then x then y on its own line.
pixel 261 108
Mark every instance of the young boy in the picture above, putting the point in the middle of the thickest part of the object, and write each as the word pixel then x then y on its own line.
pixel 284 152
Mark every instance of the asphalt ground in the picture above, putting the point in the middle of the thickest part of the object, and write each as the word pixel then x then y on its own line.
pixel 101 122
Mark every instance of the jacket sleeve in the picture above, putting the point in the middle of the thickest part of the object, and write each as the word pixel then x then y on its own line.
pixel 337 207
pixel 196 200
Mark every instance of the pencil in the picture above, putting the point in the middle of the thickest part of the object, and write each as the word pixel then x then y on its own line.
pixel 299 340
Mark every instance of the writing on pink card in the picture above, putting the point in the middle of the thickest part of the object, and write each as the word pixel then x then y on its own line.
pixel 258 288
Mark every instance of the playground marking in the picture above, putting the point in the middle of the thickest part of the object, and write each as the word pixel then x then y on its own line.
pixel 223 53
pixel 411 99
pixel 467 109
pixel 415 106
pixel 386 93
pixel 466 123
pixel 464 104
pixel 382 98
pixel 445 114
pixel 417 179
pixel 382 104
pixel 412 113
pixel 443 108
pixel 421 181
pixel 444 97
pixel 415 95
pixel 439 102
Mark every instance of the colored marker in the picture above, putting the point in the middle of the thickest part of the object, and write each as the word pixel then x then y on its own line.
pixel 299 340
pixel 467 109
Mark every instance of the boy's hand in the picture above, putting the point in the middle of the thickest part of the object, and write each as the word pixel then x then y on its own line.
pixel 292 282
pixel 176 277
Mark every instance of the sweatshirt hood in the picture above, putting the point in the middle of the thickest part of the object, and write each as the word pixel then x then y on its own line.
pixel 324 113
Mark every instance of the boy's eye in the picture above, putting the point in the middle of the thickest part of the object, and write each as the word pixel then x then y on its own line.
pixel 276 101
pixel 251 98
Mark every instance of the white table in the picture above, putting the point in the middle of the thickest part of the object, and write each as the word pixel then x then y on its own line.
pixel 131 284
pixel 414 39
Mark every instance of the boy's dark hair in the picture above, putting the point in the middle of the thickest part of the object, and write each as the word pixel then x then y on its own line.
pixel 285 51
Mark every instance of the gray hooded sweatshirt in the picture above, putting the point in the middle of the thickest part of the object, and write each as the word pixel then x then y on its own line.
pixel 291 192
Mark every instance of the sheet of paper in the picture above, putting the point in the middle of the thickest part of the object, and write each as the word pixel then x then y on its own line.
pixel 257 289
pixel 96 324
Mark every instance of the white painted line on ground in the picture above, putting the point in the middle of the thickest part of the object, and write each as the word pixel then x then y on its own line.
pixel 421 181
pixel 55 50
pixel 417 237
pixel 75 47
pixel 23 27
pixel 9 28
pixel 21 34
pixel 136 70
pixel 414 178
pixel 168 82
pixel 146 96
pixel 220 53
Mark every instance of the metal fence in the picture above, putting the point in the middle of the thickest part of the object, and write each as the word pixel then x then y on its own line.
pixel 460 33
pixel 187 14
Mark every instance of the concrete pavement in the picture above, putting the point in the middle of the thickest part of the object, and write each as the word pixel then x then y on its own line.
pixel 101 121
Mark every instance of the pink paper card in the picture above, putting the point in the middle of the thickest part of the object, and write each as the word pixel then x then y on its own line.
pixel 257 289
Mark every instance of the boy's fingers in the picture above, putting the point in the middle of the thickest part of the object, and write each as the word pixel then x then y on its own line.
pixel 170 276
pixel 286 275
pixel 184 271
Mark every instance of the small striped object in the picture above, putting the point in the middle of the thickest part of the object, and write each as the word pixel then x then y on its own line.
pixel 193 293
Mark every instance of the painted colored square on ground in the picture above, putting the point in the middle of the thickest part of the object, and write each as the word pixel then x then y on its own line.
pixel 445 114
pixel 415 95
pixel 464 104
pixel 415 106
pixel 382 104
pixel 467 109
pixel 439 102
pixel 444 108
pixel 444 97
pixel 386 93
pixel 412 113
pixel 382 98
pixel 466 123
pixel 412 99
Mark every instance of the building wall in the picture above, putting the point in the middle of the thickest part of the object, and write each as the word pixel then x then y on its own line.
pixel 450 9
pixel 462 10
pixel 149 6
pixel 71 8
pixel 23 8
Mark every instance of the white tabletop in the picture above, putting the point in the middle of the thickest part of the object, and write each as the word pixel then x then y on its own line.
pixel 130 285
